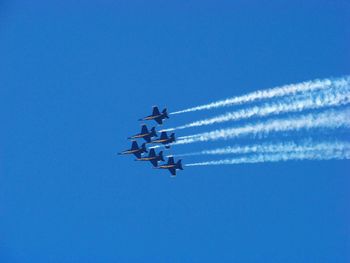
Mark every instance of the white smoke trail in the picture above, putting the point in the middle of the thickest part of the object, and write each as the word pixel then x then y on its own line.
pixel 326 119
pixel 313 100
pixel 277 157
pixel 305 145
pixel 271 93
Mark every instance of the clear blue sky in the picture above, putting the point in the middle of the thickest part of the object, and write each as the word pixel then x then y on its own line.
pixel 76 75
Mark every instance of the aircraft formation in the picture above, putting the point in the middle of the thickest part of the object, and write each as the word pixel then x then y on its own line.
pixel 150 137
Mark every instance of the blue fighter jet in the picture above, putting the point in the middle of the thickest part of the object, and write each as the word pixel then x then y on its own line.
pixel 152 157
pixel 156 115
pixel 145 134
pixel 135 150
pixel 164 139
pixel 171 166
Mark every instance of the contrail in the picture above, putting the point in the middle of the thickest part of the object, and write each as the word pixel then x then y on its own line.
pixel 277 157
pixel 304 146
pixel 326 119
pixel 272 93
pixel 310 101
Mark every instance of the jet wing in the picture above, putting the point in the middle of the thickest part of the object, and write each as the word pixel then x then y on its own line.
pixel 137 154
pixel 155 111
pixel 171 160
pixel 172 171
pixel 134 145
pixel 147 138
pixel 163 136
pixel 152 153
pixel 166 142
pixel 154 163
pixel 159 120
pixel 144 129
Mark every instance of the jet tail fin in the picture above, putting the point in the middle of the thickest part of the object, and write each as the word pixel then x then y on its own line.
pixel 165 113
pixel 179 165
pixel 161 156
pixel 153 132
pixel 144 147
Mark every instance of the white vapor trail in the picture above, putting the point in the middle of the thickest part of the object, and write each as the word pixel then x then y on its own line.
pixel 313 100
pixel 304 146
pixel 326 119
pixel 271 93
pixel 284 156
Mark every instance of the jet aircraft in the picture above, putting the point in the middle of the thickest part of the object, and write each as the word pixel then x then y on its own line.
pixel 145 134
pixel 152 157
pixel 171 166
pixel 156 115
pixel 164 139
pixel 135 149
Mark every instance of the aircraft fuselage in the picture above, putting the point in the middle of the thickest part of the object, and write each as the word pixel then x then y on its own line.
pixel 160 141
pixel 152 117
pixel 130 151
pixel 139 136
pixel 166 166
pixel 147 158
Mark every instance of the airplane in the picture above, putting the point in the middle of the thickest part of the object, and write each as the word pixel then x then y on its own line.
pixel 152 157
pixel 147 135
pixel 156 115
pixel 171 166
pixel 164 139
pixel 135 149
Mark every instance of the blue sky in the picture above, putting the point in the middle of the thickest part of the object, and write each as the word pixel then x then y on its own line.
pixel 76 76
